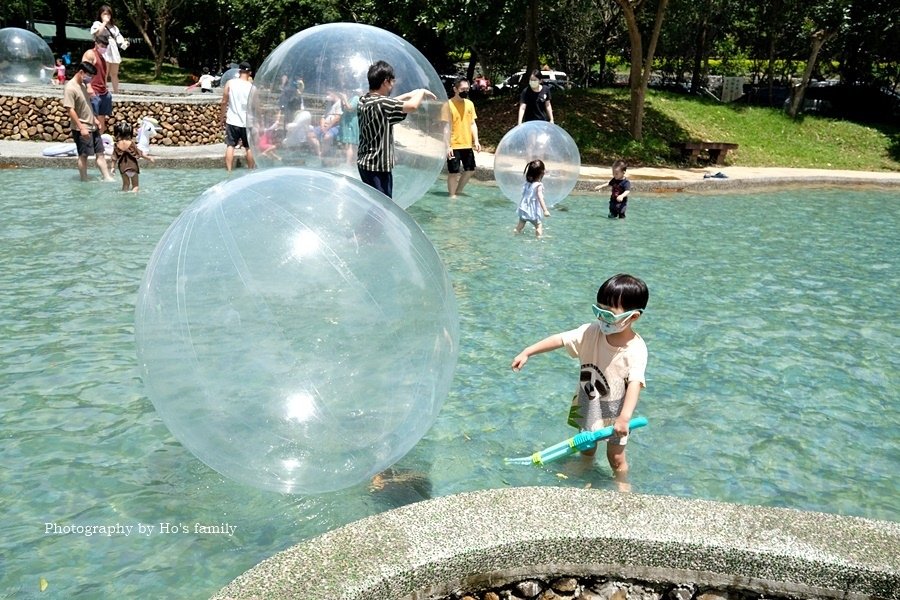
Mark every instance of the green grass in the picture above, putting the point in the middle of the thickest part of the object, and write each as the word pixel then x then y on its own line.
pixel 598 121
pixel 140 70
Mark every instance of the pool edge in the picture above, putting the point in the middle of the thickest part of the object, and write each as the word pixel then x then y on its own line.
pixel 433 545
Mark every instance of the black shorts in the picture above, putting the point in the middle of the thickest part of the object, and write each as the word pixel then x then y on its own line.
pixel 464 158
pixel 235 134
pixel 92 145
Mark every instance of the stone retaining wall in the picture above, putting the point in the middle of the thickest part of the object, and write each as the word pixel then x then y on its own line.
pixel 43 118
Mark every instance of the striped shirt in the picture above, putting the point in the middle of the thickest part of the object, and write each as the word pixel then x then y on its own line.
pixel 377 115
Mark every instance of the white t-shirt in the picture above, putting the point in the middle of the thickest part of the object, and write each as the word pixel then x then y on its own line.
pixel 206 81
pixel 606 371
pixel 238 99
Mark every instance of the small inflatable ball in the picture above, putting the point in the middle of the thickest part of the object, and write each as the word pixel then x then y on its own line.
pixel 320 72
pixel 24 57
pixel 537 140
pixel 296 330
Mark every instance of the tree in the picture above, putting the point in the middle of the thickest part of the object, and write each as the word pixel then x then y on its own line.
pixel 825 23
pixel 491 32
pixel 532 61
pixel 578 34
pixel 870 54
pixel 153 18
pixel 641 66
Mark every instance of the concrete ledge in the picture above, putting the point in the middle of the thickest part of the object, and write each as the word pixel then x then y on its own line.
pixel 436 546
pixel 693 182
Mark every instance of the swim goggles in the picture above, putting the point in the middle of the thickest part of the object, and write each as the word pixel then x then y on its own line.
pixel 611 317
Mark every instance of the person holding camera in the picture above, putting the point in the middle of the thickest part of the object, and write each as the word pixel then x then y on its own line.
pixel 116 42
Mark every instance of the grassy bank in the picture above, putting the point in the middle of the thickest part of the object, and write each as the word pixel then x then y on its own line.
pixel 140 70
pixel 598 121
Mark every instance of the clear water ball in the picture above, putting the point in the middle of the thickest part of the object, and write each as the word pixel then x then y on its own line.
pixel 537 140
pixel 296 330
pixel 24 57
pixel 322 70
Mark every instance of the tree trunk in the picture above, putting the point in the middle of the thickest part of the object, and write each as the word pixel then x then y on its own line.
pixel 818 40
pixel 771 28
pixel 641 67
pixel 470 70
pixel 60 12
pixel 159 57
pixel 700 49
pixel 531 38
pixel 602 61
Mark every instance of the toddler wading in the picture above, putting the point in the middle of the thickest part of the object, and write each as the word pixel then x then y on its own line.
pixel 532 207
pixel 126 155
pixel 620 189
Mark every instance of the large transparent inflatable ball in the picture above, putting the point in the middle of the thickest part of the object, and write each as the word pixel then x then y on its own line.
pixel 303 111
pixel 24 57
pixel 537 140
pixel 296 330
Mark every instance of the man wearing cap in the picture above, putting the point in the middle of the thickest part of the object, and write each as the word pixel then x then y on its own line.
pixel 85 125
pixel 101 98
pixel 233 113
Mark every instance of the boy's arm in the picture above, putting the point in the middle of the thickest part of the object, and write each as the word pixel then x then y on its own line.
pixel 545 345
pixel 627 185
pixel 549 108
pixel 628 405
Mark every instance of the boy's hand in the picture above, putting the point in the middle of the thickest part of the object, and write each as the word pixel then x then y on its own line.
pixel 546 213
pixel 519 361
pixel 620 427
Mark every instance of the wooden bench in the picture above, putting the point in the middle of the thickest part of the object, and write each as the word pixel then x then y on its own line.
pixel 690 151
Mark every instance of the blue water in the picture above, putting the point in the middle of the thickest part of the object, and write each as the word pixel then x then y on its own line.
pixel 773 374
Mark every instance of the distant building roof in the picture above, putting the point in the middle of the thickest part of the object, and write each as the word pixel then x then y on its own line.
pixel 75 33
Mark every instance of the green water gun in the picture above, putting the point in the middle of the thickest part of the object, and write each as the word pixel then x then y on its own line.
pixel 578 443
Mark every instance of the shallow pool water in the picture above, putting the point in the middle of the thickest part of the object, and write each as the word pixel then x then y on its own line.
pixel 773 375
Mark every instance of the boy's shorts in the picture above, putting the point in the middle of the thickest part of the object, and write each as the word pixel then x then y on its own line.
pixel 464 157
pixel 102 105
pixel 92 145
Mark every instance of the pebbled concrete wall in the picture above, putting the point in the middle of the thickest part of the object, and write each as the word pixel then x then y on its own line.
pixel 432 548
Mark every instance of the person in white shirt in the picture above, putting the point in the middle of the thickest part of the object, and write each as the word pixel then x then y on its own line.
pixel 116 42
pixel 233 114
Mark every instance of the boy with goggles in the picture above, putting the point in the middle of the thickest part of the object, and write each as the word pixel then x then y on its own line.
pixel 613 359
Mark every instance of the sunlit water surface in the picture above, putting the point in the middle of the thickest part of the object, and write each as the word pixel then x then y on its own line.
pixel 772 329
